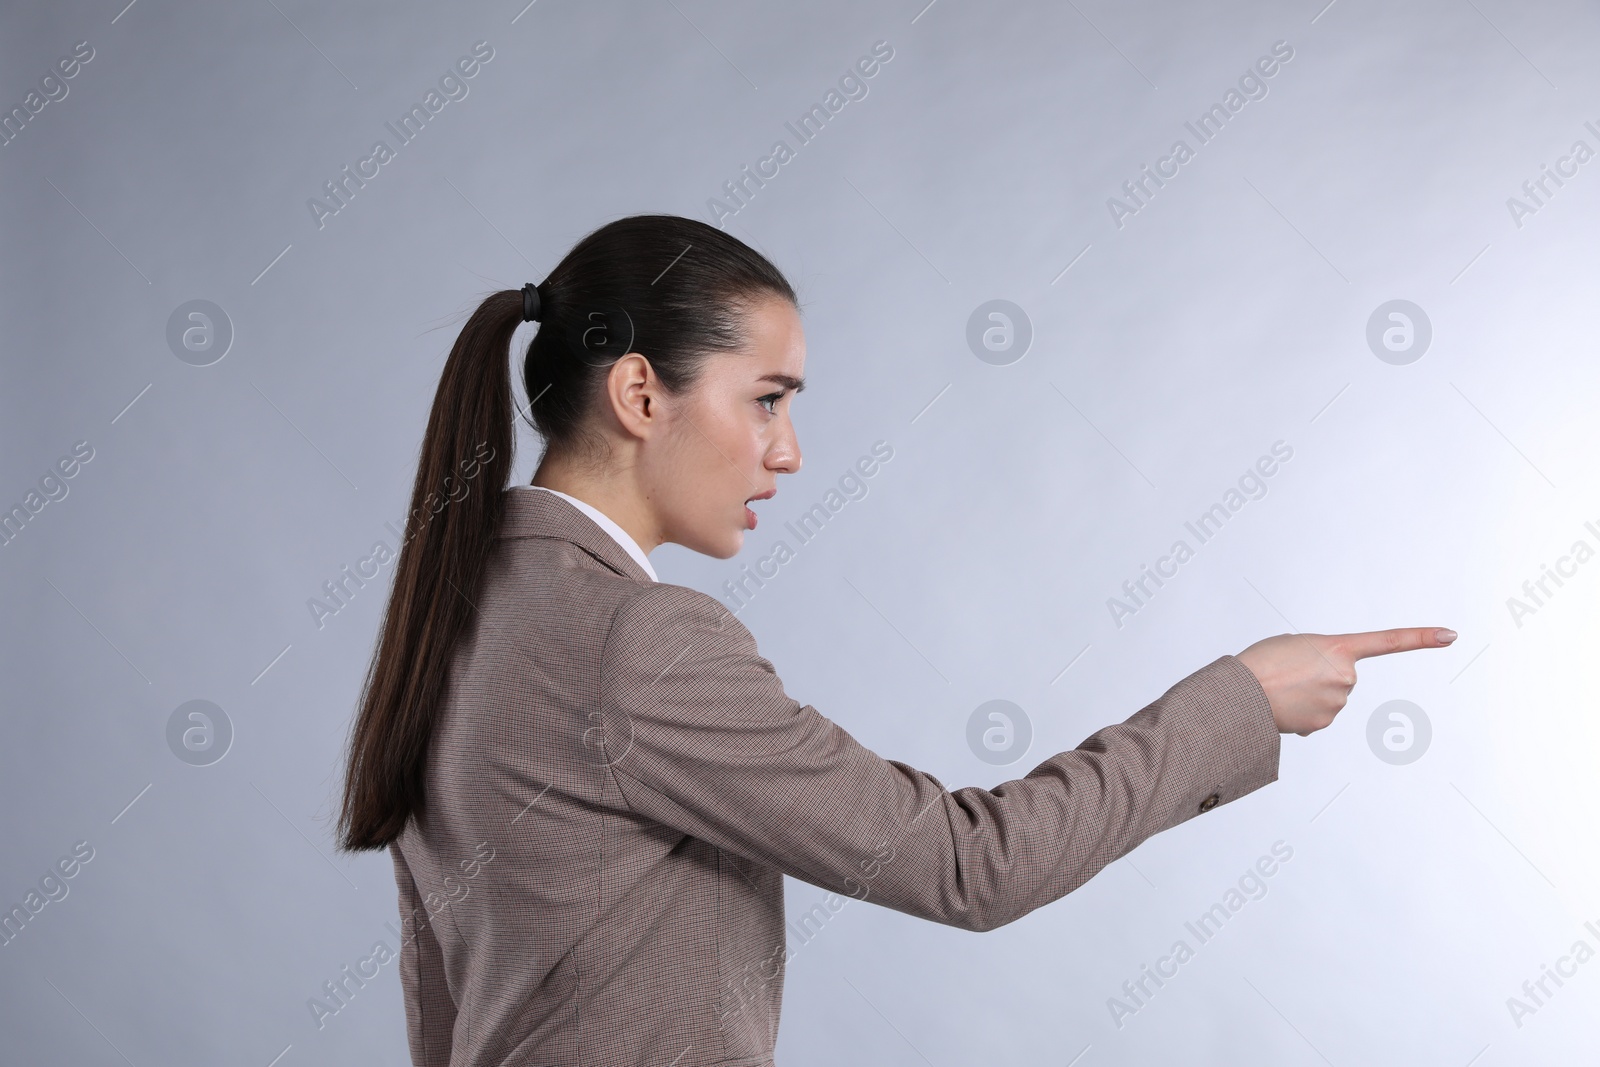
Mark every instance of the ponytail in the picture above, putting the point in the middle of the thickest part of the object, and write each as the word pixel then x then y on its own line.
pixel 456 506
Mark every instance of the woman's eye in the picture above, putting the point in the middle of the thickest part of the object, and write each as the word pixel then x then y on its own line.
pixel 774 398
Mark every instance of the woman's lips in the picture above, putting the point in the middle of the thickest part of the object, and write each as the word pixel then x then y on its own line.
pixel 750 516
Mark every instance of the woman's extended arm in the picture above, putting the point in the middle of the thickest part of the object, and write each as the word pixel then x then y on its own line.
pixel 701 736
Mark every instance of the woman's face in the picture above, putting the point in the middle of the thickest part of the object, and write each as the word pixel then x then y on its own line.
pixel 728 438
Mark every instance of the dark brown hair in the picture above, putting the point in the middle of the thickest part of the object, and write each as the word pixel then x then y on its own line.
pixel 670 288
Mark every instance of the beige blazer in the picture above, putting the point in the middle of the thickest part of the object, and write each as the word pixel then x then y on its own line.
pixel 619 783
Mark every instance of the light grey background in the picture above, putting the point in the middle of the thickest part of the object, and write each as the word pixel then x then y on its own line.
pixel 1229 313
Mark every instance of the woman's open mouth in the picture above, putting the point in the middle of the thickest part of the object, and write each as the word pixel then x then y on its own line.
pixel 750 516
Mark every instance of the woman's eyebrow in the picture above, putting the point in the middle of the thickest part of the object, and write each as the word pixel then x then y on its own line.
pixel 787 380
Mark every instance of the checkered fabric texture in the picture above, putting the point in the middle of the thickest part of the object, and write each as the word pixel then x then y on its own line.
pixel 619 782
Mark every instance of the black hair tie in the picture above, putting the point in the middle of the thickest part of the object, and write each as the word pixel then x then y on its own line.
pixel 530 303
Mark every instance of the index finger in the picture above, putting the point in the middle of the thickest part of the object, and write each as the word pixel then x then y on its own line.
pixel 1404 639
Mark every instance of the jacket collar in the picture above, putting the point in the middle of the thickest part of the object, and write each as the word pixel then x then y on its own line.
pixel 534 514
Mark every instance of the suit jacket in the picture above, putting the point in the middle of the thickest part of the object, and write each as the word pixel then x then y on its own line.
pixel 619 782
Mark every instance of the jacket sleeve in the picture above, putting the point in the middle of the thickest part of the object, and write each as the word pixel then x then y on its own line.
pixel 699 735
pixel 430 1009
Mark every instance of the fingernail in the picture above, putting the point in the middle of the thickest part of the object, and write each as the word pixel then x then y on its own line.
pixel 1444 637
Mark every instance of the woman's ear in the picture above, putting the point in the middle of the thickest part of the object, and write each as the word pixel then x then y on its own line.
pixel 633 391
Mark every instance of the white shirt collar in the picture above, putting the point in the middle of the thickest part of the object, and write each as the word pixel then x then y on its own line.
pixel 618 534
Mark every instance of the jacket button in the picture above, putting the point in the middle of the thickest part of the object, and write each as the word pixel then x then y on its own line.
pixel 1209 802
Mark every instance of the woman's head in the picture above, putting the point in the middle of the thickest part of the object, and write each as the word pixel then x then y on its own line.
pixel 660 377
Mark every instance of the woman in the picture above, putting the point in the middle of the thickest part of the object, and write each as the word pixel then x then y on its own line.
pixel 591 783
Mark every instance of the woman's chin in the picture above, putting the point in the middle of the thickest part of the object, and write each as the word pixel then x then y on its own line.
pixel 734 544
pixel 724 545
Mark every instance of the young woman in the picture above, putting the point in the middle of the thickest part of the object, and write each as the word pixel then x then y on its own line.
pixel 591 783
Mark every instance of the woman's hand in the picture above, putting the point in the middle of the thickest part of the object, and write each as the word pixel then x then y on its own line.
pixel 1308 677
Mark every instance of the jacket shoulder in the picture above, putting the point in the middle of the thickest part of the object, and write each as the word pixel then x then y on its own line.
pixel 662 610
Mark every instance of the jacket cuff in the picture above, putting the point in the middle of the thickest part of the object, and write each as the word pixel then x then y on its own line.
pixel 1237 739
